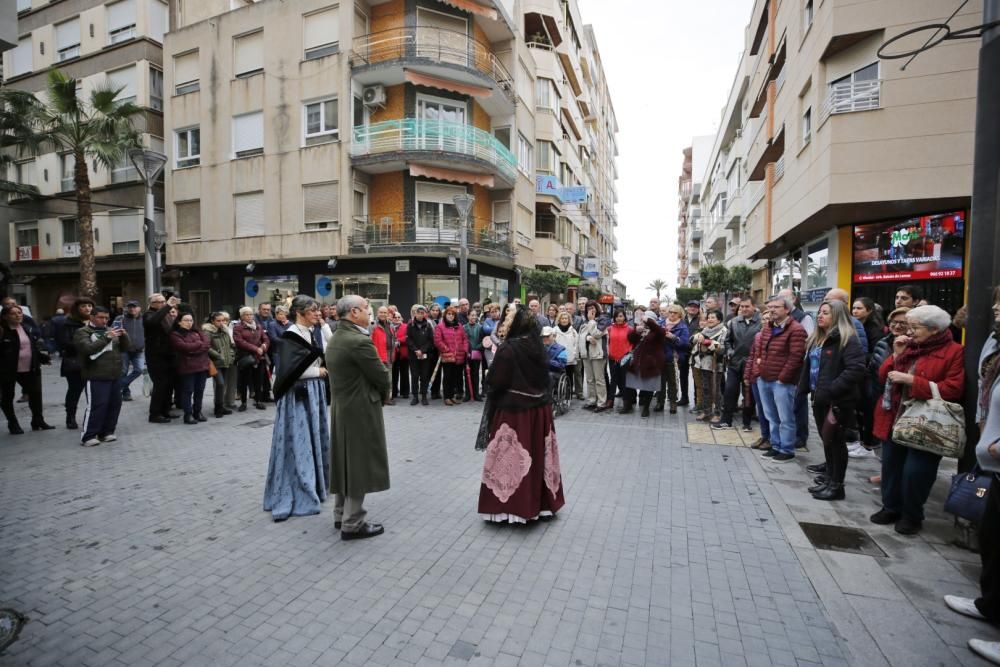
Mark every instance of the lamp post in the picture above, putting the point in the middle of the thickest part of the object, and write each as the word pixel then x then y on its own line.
pixel 149 164
pixel 463 203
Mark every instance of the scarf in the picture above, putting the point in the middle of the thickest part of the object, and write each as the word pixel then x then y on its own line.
pixel 252 324
pixel 564 328
pixel 906 363
pixel 712 332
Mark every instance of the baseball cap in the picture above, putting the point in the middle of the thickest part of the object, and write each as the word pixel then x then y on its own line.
pixel 694 302
pixel 548 331
pixel 132 303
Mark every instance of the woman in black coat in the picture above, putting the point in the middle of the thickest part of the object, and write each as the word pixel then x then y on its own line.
pixel 79 316
pixel 22 353
pixel 833 373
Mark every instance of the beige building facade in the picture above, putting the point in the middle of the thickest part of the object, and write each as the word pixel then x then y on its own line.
pixel 318 148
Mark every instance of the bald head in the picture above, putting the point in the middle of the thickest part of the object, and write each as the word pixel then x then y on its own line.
pixel 837 294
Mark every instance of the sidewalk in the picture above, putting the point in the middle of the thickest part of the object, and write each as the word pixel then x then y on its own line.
pixel 155 551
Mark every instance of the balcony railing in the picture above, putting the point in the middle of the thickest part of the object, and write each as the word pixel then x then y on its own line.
pixel 852 96
pixel 438 45
pixel 415 134
pixel 400 232
pixel 779 169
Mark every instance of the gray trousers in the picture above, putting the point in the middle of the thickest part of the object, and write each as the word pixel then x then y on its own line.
pixel 349 511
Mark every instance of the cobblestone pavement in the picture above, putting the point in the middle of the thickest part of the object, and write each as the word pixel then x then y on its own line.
pixel 154 550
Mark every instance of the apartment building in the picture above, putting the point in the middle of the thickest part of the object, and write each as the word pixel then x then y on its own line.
pixel 97 43
pixel 832 168
pixel 318 148
pixel 692 211
pixel 683 200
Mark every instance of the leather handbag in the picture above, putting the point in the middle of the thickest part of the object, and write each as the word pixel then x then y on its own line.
pixel 626 361
pixel 968 494
pixel 934 425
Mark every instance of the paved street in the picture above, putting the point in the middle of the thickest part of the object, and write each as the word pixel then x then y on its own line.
pixel 155 551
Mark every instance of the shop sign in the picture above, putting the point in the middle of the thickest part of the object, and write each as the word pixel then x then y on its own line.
pixel 606 299
pixel 591 268
pixel 550 185
pixel 919 248
pixel 402 265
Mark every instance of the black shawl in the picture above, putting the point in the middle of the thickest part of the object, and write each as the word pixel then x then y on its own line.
pixel 294 357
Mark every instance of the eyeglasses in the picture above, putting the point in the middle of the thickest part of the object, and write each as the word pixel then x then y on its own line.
pixel 897 323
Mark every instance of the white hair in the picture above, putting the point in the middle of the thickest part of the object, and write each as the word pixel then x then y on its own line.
pixel 789 303
pixel 934 318
pixel 246 309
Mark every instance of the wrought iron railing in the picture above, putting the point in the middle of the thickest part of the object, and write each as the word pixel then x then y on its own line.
pixel 377 233
pixel 438 45
pixel 852 96
pixel 417 134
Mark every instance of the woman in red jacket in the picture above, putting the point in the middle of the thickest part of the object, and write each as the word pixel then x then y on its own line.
pixel 401 364
pixel 451 343
pixel 251 349
pixel 618 347
pixel 927 354
pixel 190 346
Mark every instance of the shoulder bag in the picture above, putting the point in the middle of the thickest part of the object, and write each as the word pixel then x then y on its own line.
pixel 968 494
pixel 934 425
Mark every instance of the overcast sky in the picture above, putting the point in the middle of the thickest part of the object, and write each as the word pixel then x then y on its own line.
pixel 669 66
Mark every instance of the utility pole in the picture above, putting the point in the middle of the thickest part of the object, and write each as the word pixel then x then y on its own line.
pixel 983 271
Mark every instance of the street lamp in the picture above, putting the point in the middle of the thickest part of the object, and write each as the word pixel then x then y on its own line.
pixel 463 203
pixel 565 262
pixel 149 164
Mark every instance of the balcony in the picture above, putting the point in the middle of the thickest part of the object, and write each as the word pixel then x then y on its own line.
pixel 851 96
pixel 386 58
pixel 398 233
pixel 393 145
pixel 695 232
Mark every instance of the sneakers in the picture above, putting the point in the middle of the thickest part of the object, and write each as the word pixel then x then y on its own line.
pixel 851 446
pixel 720 426
pixel 747 429
pixel 860 452
pixel 964 606
pixel 801 446
pixel 90 442
pixel 770 454
pixel 783 457
pixel 111 437
pixel 985 649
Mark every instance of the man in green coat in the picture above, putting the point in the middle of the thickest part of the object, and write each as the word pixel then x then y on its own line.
pixel 360 387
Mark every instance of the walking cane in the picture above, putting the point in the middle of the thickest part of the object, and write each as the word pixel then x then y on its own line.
pixel 434 374
pixel 468 380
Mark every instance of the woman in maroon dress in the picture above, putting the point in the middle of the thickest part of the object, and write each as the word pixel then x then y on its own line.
pixel 521 479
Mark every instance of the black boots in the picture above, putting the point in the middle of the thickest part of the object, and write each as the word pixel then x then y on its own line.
pixel 832 491
pixel 645 410
pixel 189 419
pixel 658 407
pixel 414 400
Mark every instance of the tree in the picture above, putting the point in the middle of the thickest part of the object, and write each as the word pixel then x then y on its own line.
pixel 714 278
pixel 98 128
pixel 685 294
pixel 543 282
pixel 16 140
pixel 740 278
pixel 657 286
pixel 589 291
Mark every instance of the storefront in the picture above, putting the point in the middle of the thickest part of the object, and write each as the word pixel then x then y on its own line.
pixel 808 270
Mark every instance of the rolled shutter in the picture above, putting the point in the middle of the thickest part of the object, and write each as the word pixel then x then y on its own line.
pixel 124 79
pixel 186 68
pixel 321 29
pixel 20 57
pixel 126 227
pixel 121 14
pixel 439 194
pixel 249 53
pixel 188 219
pixel 249 211
pixel 248 132
pixel 68 34
pixel 321 203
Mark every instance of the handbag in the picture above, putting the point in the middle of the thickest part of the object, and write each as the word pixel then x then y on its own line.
pixel 212 370
pixel 934 425
pixel 968 494
pixel 246 362
pixel 626 361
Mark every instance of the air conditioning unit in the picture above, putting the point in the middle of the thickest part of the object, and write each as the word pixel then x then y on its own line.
pixel 374 96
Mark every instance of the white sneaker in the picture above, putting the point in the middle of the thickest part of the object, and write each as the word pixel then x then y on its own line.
pixel 851 446
pixel 109 438
pixel 860 453
pixel 988 650
pixel 964 606
pixel 92 442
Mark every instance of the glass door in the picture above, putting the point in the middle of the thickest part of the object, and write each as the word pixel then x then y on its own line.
pixel 441 122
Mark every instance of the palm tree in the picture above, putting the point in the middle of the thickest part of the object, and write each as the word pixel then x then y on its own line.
pixel 16 140
pixel 98 128
pixel 657 286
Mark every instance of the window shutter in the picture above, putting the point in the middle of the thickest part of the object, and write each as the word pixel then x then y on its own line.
pixel 249 53
pixel 321 29
pixel 125 79
pixel 501 212
pixel 157 20
pixel 125 227
pixel 248 132
pixel 249 211
pixel 188 219
pixel 439 194
pixel 321 203
pixel 186 68
pixel 20 57
pixel 121 14
pixel 68 34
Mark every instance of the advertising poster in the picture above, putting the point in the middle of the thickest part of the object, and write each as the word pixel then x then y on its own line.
pixel 920 248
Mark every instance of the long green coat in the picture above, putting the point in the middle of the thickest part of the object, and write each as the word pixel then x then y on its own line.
pixel 359 382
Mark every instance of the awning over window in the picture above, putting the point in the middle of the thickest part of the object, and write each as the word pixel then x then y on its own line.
pixel 419 79
pixel 451 175
pixel 472 7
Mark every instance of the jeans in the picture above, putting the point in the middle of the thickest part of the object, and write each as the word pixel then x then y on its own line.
pixel 834 444
pixel 734 386
pixel 137 360
pixel 105 406
pixel 219 388
pixel 801 418
pixel 192 391
pixel 765 428
pixel 907 478
pixel 779 408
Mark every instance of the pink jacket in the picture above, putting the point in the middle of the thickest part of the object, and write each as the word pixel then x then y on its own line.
pixel 451 342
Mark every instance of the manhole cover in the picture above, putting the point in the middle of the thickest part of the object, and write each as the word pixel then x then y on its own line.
pixel 842 538
pixel 259 423
pixel 10 627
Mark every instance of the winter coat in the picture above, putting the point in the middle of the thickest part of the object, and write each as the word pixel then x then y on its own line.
pixel 678 346
pixel 385 342
pixel 557 357
pixel 359 384
pixel 190 350
pixel 451 343
pixel 70 362
pixel 135 328
pixel 708 352
pixel 156 324
pixel 751 371
pixel 570 340
pixel 740 338
pixel 248 339
pixel 222 351
pixel 874 333
pixel 943 366
pixel 403 351
pixel 841 373
pixel 591 342
pixel 474 334
pixel 10 348
pixel 782 352
pixel 90 340
pixel 648 356
pixel 618 344
pixel 420 337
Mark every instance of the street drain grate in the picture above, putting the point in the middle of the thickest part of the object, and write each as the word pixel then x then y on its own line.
pixel 259 423
pixel 10 627
pixel 842 538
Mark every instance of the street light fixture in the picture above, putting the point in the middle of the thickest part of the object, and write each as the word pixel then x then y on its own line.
pixel 150 164
pixel 463 203
pixel 565 262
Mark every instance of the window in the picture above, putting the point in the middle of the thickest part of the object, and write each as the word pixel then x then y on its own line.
pixel 437 215
pixel 68 39
pixel 547 157
pixel 123 80
pixel 526 86
pixel 857 91
pixel 249 211
pixel 320 121
pixel 502 135
pixel 186 73
pixel 502 216
pixel 68 164
pixel 817 265
pixel 24 173
pixel 69 232
pixel 187 147
pixel 360 203
pixel 524 150
pixel 27 240
pixel 320 33
pixel 546 94
pixel 23 5
pixel 248 134
pixel 807 126
pixel 493 290
pixel 807 15
pixel 359 113
pixel 188 215
pixel 126 229
pixel 321 205
pixel 20 58
pixel 124 171
pixel 157 19
pixel 442 37
pixel 155 89
pixel 121 21
pixel 248 54
pixel 525 225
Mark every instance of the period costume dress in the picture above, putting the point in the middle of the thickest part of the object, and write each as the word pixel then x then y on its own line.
pixel 521 475
pixel 300 444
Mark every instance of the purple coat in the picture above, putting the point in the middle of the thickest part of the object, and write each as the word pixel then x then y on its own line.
pixel 190 350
